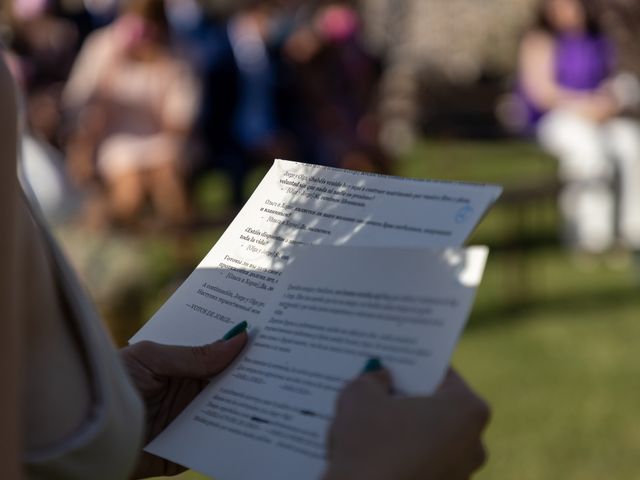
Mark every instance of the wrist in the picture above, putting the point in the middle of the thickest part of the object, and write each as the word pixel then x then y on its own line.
pixel 343 472
pixel 338 472
pixel 334 474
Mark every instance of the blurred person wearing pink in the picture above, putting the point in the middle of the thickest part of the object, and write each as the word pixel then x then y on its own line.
pixel 134 103
pixel 576 103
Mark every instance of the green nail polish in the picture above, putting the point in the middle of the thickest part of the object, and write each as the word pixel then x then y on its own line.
pixel 237 330
pixel 372 365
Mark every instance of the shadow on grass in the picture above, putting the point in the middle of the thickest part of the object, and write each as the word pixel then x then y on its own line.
pixel 572 306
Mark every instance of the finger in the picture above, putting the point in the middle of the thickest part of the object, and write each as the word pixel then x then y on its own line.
pixel 198 362
pixel 481 457
pixel 374 368
pixel 380 380
pixel 451 380
pixel 454 390
pixel 366 388
pixel 454 385
pixel 470 462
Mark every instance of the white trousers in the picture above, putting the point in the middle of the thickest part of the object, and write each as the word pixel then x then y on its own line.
pixel 590 154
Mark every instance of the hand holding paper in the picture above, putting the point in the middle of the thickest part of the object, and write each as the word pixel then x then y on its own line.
pixel 378 436
pixel 298 204
pixel 334 308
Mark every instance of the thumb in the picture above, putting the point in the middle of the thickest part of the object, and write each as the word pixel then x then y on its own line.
pixel 374 372
pixel 370 385
pixel 199 362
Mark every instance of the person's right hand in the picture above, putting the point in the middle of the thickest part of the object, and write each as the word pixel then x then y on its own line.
pixel 598 107
pixel 380 437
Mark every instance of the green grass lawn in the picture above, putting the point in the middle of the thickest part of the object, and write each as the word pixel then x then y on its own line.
pixel 561 376
pixel 558 366
pixel 560 371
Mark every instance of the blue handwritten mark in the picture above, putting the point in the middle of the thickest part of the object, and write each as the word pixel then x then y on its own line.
pixel 463 214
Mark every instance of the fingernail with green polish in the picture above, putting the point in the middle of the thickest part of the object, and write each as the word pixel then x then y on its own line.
pixel 235 331
pixel 372 365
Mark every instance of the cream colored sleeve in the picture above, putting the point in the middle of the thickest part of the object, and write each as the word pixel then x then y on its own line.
pixel 88 70
pixel 10 327
pixel 181 99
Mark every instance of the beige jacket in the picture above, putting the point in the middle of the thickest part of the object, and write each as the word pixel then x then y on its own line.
pixel 68 409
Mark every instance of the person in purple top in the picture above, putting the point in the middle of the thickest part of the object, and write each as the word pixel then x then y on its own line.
pixel 575 103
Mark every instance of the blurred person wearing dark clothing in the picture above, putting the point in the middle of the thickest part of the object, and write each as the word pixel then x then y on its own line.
pixel 338 83
pixel 42 46
pixel 101 12
pixel 240 119
pixel 134 103
pixel 289 80
pixel 576 103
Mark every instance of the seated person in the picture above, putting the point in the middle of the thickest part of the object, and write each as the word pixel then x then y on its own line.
pixel 575 105
pixel 134 104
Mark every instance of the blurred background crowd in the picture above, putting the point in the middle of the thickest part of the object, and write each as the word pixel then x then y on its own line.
pixel 149 122
pixel 142 100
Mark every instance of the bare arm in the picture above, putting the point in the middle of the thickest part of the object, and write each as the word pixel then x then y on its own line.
pixel 182 95
pixel 85 116
pixel 10 332
pixel 538 79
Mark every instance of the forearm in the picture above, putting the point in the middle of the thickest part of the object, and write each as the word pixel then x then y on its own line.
pixel 597 107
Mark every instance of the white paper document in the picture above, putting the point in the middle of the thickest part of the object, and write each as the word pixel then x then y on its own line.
pixel 298 204
pixel 330 268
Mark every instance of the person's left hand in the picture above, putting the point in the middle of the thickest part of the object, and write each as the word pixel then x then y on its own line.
pixel 168 378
